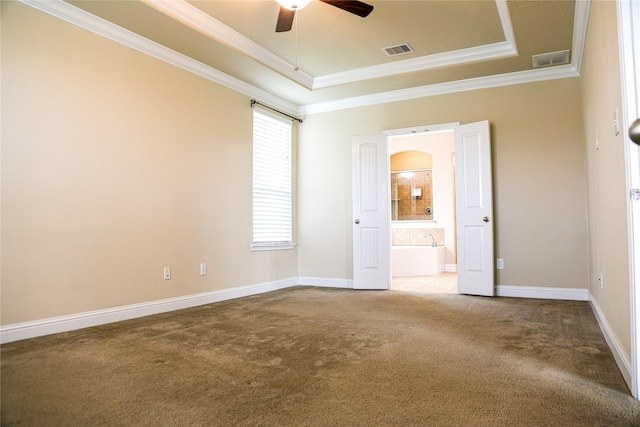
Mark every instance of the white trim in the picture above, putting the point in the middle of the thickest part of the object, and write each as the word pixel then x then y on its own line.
pixel 326 282
pixel 272 247
pixel 505 20
pixel 194 18
pixel 519 77
pixel 82 19
pixel 569 294
pixel 469 55
pixel 54 325
pixel 580 22
pixel 78 17
pixel 412 131
pixel 451 268
pixel 614 344
pixel 428 62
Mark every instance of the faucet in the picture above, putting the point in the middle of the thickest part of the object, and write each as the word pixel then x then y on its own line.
pixel 433 239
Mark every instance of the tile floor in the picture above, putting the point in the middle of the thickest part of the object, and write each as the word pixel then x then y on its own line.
pixel 445 283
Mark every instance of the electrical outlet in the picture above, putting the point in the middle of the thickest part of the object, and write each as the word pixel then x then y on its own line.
pixel 601 280
pixel 167 273
pixel 500 264
pixel 597 141
pixel 203 269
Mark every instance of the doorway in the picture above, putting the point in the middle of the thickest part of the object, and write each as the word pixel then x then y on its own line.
pixel 423 238
pixel 474 209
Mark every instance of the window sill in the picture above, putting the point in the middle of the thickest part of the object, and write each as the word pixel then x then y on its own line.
pixel 272 246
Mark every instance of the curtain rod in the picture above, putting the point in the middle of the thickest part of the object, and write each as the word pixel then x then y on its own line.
pixel 253 102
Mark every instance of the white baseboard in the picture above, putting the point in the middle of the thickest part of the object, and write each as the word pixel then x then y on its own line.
pixel 451 268
pixel 54 325
pixel 624 364
pixel 571 294
pixel 326 283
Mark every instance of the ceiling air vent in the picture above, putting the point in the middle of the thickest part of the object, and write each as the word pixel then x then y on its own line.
pixel 549 59
pixel 401 49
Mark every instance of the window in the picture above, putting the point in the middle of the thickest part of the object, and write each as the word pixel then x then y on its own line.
pixel 271 181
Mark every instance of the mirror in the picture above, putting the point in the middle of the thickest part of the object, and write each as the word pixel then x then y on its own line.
pixel 411 186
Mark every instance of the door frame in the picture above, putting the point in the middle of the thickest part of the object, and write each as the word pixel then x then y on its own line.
pixel 628 15
pixel 415 131
pixel 400 132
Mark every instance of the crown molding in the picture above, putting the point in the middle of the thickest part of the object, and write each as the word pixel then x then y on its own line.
pixel 563 71
pixel 76 16
pixel 196 19
pixel 438 60
pixel 487 52
pixel 505 20
pixel 580 22
pixel 69 13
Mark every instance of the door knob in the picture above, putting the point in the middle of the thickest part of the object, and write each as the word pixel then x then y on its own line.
pixel 634 132
pixel 485 219
pixel 357 221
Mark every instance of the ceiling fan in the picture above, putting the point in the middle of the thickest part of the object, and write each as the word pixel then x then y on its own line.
pixel 288 10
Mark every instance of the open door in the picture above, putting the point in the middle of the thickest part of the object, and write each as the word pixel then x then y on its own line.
pixel 371 256
pixel 629 37
pixel 474 209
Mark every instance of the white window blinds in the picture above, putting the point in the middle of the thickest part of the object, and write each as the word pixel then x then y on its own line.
pixel 271 179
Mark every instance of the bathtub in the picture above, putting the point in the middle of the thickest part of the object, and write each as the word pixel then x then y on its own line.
pixel 417 260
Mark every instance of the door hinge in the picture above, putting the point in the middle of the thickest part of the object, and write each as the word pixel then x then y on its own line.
pixel 635 194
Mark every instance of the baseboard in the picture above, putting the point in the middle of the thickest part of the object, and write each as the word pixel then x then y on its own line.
pixel 570 294
pixel 624 364
pixel 326 283
pixel 54 325
pixel 451 268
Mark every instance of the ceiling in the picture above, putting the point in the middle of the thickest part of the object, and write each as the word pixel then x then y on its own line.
pixel 332 59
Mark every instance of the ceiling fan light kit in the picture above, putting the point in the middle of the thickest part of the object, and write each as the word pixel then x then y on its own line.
pixel 288 10
pixel 293 4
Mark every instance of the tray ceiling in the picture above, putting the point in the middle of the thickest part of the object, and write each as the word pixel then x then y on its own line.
pixel 332 59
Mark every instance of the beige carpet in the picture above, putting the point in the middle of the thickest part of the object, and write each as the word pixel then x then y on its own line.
pixel 326 357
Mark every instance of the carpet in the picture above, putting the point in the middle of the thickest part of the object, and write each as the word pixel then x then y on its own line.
pixel 308 356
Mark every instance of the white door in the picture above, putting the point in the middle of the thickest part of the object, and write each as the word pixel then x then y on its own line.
pixel 629 36
pixel 371 255
pixel 474 209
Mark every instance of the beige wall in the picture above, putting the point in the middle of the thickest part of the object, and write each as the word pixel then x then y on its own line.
pixel 114 165
pixel 601 93
pixel 410 160
pixel 539 178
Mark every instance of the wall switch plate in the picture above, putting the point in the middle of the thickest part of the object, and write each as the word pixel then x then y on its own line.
pixel 167 273
pixel 203 269
pixel 500 264
pixel 597 141
pixel 616 123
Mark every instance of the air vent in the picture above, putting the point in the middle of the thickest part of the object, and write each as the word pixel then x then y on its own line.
pixel 549 59
pixel 401 49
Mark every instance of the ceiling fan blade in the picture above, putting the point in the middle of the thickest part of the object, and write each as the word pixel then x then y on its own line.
pixel 285 20
pixel 356 7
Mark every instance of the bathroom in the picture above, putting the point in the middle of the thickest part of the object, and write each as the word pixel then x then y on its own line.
pixel 422 202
